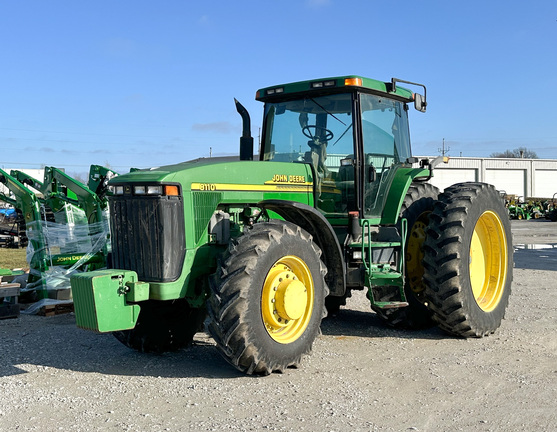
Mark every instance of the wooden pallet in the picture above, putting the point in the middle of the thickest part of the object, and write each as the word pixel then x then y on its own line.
pixel 58 309
pixel 9 309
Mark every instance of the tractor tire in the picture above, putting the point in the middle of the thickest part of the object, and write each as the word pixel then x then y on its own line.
pixel 333 303
pixel 468 260
pixel 267 298
pixel 416 208
pixel 163 326
pixel 21 229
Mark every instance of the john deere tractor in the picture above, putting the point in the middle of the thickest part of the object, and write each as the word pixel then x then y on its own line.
pixel 335 202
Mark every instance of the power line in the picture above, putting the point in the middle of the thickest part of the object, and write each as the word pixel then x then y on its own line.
pixel 84 133
pixel 443 150
pixel 72 141
pixel 42 165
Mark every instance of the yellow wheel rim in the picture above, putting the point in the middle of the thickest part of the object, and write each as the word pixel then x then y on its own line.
pixel 287 299
pixel 415 254
pixel 488 261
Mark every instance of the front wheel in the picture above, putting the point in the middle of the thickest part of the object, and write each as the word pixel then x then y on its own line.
pixel 468 260
pixel 267 298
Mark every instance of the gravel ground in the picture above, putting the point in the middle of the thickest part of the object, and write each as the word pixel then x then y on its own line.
pixel 361 376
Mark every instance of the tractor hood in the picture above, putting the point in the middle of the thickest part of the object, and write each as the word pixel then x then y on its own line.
pixel 162 173
pixel 224 175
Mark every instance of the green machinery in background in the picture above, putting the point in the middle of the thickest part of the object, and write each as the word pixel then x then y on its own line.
pixel 335 202
pixel 532 208
pixel 551 209
pixel 64 222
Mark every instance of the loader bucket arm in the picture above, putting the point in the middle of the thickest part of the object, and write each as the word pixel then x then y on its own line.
pixel 98 180
pixel 29 205
pixel 85 198
pixel 27 180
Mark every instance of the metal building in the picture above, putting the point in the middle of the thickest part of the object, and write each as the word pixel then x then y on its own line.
pixel 522 177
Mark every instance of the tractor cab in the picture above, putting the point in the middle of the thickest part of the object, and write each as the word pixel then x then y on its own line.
pixel 352 131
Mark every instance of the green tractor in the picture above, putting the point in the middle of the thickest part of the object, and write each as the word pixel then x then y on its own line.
pixel 334 203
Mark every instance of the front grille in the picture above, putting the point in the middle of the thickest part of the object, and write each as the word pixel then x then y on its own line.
pixel 148 236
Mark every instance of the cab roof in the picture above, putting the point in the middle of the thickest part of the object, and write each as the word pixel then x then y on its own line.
pixel 334 84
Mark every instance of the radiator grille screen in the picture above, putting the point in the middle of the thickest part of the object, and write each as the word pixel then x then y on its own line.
pixel 148 236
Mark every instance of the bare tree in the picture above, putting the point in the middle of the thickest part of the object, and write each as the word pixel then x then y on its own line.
pixel 517 153
pixel 79 176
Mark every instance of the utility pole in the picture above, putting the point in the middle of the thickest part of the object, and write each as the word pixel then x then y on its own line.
pixel 210 152
pixel 443 150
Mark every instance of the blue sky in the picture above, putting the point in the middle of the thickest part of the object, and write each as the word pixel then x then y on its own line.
pixel 144 83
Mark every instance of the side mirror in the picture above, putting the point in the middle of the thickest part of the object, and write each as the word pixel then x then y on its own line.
pixel 303 119
pixel 419 102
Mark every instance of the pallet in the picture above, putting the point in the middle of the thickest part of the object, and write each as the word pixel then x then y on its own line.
pixel 9 308
pixel 57 309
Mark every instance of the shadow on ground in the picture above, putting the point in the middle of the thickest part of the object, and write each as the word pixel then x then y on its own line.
pixel 536 256
pixel 56 342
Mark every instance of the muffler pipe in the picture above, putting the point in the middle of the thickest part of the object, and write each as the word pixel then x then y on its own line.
pixel 246 140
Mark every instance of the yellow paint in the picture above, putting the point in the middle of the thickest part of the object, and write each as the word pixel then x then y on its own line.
pixel 267 187
pixel 488 261
pixel 287 299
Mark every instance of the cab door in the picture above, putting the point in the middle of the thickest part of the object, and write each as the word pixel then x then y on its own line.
pixel 386 147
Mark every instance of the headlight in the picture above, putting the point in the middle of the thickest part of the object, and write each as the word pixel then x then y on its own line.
pixel 154 190
pixel 139 190
pixel 146 190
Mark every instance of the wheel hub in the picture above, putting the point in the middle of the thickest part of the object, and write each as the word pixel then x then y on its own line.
pixel 287 299
pixel 291 299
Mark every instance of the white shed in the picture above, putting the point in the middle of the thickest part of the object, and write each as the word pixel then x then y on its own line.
pixel 522 177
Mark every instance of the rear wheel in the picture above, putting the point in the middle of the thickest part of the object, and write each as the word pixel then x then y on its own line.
pixel 416 208
pixel 267 298
pixel 468 260
pixel 163 326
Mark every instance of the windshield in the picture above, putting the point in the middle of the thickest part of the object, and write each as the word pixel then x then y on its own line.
pixel 317 131
pixel 295 129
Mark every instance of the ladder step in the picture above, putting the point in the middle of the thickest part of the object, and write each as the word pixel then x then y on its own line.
pixel 390 305
pixel 375 244
pixel 386 278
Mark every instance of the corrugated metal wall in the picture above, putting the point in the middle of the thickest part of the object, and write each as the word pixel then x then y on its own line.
pixel 522 177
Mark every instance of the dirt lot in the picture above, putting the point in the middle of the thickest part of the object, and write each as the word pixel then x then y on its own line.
pixel 361 376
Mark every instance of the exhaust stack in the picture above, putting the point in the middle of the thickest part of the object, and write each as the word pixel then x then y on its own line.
pixel 246 140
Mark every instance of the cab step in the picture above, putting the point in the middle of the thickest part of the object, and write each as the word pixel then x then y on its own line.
pixel 391 278
pixel 391 305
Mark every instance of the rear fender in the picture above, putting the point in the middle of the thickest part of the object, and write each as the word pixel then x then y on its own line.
pixel 400 185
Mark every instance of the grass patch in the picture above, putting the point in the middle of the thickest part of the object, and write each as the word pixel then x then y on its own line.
pixel 13 258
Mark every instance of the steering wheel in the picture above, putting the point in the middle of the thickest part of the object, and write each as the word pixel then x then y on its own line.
pixel 306 130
